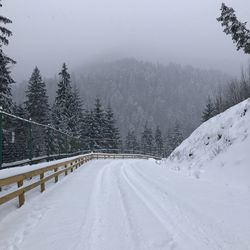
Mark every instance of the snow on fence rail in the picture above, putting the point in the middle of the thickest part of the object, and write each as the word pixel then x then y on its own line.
pixel 45 174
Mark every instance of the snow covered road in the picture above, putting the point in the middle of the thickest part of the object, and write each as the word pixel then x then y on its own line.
pixel 129 204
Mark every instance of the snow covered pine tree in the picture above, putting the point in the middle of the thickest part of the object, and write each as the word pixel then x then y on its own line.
pixel 77 113
pixel 87 130
pixel 37 103
pixel 158 141
pixel 147 140
pixel 37 108
pixel 240 34
pixel 131 142
pixel 67 110
pixel 99 124
pixel 5 78
pixel 111 132
pixel 174 139
pixel 209 111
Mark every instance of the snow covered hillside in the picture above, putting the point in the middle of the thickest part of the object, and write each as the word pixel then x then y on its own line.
pixel 219 149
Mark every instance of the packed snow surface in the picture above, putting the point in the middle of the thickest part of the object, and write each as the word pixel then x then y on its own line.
pixel 128 204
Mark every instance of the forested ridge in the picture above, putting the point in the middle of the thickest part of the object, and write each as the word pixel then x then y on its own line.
pixel 141 92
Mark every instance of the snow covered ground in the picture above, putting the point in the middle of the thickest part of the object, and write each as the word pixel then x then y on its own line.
pixel 219 150
pixel 198 199
pixel 129 204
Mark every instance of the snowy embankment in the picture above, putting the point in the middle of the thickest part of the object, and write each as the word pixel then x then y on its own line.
pixel 219 150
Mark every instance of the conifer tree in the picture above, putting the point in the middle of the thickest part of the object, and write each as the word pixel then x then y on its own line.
pixel 232 26
pixel 37 104
pixel 158 141
pixel 178 137
pixel 168 146
pixel 62 112
pixel 77 113
pixel 147 140
pixel 21 133
pixel 87 130
pixel 37 109
pixel 20 111
pixel 99 124
pixel 131 142
pixel 111 132
pixel 218 103
pixel 5 78
pixel 128 145
pixel 209 111
pixel 174 138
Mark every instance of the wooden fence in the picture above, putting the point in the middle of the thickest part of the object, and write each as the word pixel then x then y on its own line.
pixel 53 171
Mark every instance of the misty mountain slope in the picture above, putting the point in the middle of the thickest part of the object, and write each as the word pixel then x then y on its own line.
pixel 141 91
pixel 219 148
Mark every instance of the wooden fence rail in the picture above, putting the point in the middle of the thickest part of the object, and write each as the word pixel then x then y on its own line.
pixel 53 171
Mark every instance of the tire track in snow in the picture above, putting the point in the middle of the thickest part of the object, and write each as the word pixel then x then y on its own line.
pixel 89 224
pixel 169 242
pixel 181 211
pixel 139 238
pixel 132 234
pixel 211 233
pixel 106 225
pixel 163 214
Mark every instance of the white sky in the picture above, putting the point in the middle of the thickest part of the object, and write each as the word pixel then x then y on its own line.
pixel 49 32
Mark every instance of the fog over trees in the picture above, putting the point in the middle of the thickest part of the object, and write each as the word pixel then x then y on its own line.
pixel 141 91
pixel 48 33
pixel 125 99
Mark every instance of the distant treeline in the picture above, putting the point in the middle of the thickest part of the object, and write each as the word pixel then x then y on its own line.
pixel 227 96
pixel 96 127
pixel 142 91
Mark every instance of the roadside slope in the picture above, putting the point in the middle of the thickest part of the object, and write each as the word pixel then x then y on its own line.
pixel 219 149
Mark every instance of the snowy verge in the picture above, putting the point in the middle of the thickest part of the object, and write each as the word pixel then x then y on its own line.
pixel 221 145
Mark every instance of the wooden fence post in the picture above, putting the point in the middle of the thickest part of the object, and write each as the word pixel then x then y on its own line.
pixel 66 171
pixel 42 184
pixel 21 196
pixel 56 177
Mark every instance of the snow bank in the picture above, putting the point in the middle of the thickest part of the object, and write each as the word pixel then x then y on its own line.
pixel 221 145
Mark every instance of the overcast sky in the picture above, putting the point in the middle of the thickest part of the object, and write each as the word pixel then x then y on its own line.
pixel 49 32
